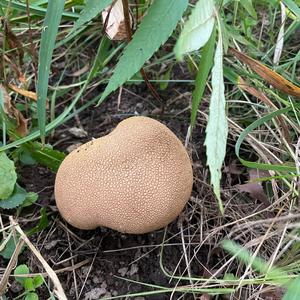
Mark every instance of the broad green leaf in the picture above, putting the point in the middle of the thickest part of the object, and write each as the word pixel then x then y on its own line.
pixel 205 64
pixel 247 4
pixel 31 296
pixel 8 176
pixel 28 285
pixel 50 28
pixel 46 156
pixel 217 127
pixel 197 29
pixel 156 27
pixel 91 10
pixel 15 199
pixel 9 249
pixel 293 292
pixel 38 281
pixel 21 270
pixel 31 198
pixel 243 135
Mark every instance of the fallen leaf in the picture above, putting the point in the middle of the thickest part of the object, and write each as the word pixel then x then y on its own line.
pixel 115 24
pixel 22 123
pixel 254 189
pixel 25 93
pixel 10 110
pixel 273 78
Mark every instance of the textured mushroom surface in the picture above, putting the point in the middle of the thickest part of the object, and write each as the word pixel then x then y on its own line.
pixel 136 179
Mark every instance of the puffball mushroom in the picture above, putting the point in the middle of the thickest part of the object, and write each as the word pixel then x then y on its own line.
pixel 135 180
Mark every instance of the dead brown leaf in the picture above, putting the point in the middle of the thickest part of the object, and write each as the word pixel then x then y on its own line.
pixel 16 69
pixel 113 18
pixel 13 41
pixel 12 112
pixel 273 78
pixel 255 189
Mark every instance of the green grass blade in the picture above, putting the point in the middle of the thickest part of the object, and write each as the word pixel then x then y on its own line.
pixel 197 29
pixel 156 27
pixel 217 127
pixel 50 29
pixel 293 7
pixel 247 4
pixel 2 116
pixel 243 135
pixel 293 292
pixel 256 263
pixel 99 63
pixel 205 65
pixel 34 9
pixel 91 10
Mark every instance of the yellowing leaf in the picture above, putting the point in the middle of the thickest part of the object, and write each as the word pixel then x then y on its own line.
pixel 273 78
pixel 23 92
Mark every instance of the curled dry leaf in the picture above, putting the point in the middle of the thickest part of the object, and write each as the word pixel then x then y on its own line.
pixel 113 18
pixel 273 78
pixel 10 110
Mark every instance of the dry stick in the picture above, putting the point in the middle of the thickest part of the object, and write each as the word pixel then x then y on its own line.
pixel 58 290
pixel 129 37
pixel 12 263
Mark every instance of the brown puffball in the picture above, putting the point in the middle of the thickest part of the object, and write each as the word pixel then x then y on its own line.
pixel 136 179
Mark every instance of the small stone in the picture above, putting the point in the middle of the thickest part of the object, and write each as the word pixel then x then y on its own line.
pixel 123 271
pixel 78 132
pixel 96 280
pixel 133 270
pixel 104 285
pixel 51 245
pixel 73 147
pixel 95 293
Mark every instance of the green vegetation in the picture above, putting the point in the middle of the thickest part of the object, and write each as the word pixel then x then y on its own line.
pixel 236 63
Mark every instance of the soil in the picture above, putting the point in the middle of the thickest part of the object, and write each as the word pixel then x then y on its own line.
pixel 103 262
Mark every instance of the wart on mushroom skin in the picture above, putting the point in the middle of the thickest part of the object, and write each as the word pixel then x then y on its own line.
pixel 135 180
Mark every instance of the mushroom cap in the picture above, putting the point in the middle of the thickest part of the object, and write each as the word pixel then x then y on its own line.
pixel 136 179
